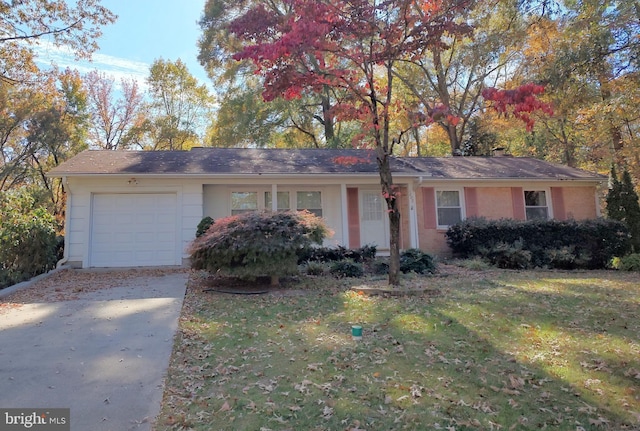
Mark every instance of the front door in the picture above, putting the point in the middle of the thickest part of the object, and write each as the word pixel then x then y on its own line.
pixel 374 223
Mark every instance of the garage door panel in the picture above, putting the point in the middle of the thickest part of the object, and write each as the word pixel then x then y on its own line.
pixel 101 219
pixel 124 219
pixel 133 230
pixel 144 237
pixel 165 218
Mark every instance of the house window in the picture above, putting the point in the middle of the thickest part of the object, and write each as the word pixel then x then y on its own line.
pixel 242 202
pixel 372 209
pixel 448 206
pixel 535 205
pixel 310 201
pixel 283 201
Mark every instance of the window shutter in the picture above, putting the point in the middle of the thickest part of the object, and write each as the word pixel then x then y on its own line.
pixel 471 201
pixel 557 200
pixel 517 200
pixel 353 217
pixel 429 207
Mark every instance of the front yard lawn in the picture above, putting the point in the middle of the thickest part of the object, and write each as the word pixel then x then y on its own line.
pixel 486 350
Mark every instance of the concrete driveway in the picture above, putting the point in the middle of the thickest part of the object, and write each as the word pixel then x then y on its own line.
pixel 97 342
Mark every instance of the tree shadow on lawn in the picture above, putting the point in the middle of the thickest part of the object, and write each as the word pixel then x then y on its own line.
pixel 279 362
pixel 583 328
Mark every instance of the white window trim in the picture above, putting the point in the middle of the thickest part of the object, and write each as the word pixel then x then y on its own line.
pixel 463 214
pixel 293 196
pixel 293 202
pixel 547 192
pixel 271 207
pixel 259 199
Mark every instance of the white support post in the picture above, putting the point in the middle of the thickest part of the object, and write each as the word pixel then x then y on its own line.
pixel 274 197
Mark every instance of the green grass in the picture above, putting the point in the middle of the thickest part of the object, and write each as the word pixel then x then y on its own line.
pixel 490 350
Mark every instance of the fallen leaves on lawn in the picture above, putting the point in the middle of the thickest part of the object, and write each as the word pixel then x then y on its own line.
pixel 485 354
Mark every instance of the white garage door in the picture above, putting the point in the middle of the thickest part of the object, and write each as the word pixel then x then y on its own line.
pixel 133 230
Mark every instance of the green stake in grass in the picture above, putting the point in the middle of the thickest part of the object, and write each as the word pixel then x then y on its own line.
pixel 356 332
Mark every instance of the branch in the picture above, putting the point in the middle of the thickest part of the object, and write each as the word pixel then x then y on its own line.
pixel 44 33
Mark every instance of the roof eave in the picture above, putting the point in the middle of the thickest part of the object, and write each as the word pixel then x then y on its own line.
pixel 413 176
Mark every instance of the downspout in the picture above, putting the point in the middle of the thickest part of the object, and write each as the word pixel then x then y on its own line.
pixel 413 218
pixel 67 218
pixel 415 225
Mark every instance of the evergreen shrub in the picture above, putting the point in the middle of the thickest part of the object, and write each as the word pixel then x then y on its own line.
pixel 630 262
pixel 567 244
pixel 333 254
pixel 203 226
pixel 28 242
pixel 346 269
pixel 415 260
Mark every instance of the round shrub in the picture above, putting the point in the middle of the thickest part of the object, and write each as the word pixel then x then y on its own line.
pixel 203 226
pixel 256 244
pixel 346 268
pixel 415 260
pixel 314 268
pixel 630 262
pixel 380 267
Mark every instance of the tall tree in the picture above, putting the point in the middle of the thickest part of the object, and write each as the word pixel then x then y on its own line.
pixel 597 49
pixel 74 25
pixel 450 78
pixel 622 204
pixel 41 125
pixel 353 46
pixel 179 108
pixel 58 132
pixel 113 110
pixel 310 120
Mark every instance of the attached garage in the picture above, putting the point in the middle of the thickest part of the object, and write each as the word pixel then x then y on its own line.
pixel 134 230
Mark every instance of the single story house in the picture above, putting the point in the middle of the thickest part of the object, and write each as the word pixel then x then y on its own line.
pixel 138 208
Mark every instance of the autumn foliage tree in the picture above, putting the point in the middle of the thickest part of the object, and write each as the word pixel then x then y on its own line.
pixel 520 102
pixel 24 24
pixel 354 46
pixel 113 113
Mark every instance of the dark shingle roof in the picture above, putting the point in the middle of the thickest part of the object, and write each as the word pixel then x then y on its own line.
pixel 239 161
pixel 495 168
pixel 216 161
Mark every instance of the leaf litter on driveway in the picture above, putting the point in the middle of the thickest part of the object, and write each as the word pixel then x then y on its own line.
pixel 70 284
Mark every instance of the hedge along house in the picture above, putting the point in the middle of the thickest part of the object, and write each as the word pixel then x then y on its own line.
pixel 128 208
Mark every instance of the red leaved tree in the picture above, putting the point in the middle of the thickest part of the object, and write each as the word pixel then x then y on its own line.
pixel 355 46
pixel 521 102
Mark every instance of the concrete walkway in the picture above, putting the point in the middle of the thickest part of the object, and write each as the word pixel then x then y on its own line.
pixel 103 354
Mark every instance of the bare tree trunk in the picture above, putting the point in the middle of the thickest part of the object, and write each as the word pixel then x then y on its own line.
pixel 615 133
pixel 453 139
pixel 416 136
pixel 389 194
pixel 328 120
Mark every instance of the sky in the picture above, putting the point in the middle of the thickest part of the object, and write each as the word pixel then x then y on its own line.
pixel 144 31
